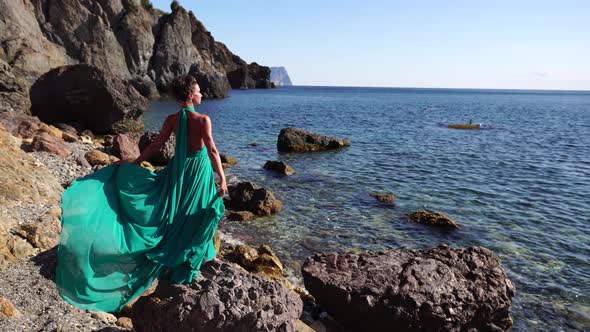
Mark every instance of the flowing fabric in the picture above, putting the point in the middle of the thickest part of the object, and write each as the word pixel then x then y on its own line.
pixel 123 226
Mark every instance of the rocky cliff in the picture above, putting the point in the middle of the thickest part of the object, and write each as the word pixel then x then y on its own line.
pixel 127 38
pixel 279 76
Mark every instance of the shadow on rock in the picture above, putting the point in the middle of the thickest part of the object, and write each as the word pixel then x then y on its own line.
pixel 47 261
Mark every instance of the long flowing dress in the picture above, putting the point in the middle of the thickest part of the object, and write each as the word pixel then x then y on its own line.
pixel 123 226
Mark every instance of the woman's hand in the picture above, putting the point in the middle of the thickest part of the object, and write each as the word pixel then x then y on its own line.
pixel 223 188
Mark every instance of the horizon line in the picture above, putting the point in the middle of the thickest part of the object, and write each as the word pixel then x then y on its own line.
pixel 431 88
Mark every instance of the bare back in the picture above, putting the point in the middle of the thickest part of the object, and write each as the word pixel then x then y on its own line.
pixel 195 123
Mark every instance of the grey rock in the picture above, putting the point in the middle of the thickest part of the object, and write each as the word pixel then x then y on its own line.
pixel 226 299
pixel 435 289
pixel 166 151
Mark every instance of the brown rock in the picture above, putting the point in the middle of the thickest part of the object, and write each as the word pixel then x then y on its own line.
pixel 87 132
pixel 51 130
pixel 97 157
pixel 7 310
pixel 124 322
pixel 436 218
pixel 147 165
pixel 247 196
pixel 383 197
pixel 68 137
pixel 279 167
pixel 217 242
pixel 227 161
pixel 104 317
pixel 125 147
pixel 45 142
pixel 21 182
pixel 263 260
pixel 299 140
pixel 19 124
pixel 240 215
pixel 44 233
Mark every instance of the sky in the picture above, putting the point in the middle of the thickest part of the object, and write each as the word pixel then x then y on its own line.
pixel 517 44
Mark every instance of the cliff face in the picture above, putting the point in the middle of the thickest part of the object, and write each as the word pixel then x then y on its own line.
pixel 143 45
pixel 279 76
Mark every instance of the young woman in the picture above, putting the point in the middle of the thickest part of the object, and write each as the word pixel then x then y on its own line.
pixel 123 226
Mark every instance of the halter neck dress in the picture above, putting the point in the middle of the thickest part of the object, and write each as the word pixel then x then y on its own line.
pixel 123 226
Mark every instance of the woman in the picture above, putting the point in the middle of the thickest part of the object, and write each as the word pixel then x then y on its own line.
pixel 123 225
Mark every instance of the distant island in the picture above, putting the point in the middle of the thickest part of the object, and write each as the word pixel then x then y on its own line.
pixel 279 76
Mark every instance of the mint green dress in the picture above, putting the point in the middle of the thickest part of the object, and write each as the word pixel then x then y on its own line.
pixel 123 226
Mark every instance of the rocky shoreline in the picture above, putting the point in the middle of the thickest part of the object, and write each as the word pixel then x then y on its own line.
pixel 475 295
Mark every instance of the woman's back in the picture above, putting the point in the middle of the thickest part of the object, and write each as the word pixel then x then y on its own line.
pixel 195 124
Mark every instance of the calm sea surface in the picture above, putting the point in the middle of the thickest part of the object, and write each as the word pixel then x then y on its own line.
pixel 519 186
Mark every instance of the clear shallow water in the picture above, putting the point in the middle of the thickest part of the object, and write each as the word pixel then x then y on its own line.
pixel 520 186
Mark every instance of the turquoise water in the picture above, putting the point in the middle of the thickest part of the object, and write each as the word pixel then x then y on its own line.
pixel 519 186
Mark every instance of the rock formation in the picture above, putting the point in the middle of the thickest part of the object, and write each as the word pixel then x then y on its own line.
pixel 279 76
pixel 436 289
pixel 127 38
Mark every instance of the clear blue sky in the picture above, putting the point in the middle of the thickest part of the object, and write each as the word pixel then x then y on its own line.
pixel 518 44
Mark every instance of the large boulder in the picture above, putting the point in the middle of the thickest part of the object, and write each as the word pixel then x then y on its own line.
pixel 299 140
pixel 166 151
pixel 436 289
pixel 98 100
pixel 248 196
pixel 226 299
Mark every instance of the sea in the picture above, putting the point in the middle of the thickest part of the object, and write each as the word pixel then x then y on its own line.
pixel 519 186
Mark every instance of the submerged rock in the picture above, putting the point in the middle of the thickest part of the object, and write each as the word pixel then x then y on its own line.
pixel 383 197
pixel 226 299
pixel 240 216
pixel 432 289
pixel 300 140
pixel 436 218
pixel 247 196
pixel 280 167
pixel 227 161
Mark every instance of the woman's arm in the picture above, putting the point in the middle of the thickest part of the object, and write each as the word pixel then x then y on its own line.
pixel 214 154
pixel 157 143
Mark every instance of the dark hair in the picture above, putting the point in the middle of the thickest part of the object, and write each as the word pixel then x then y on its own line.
pixel 181 87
